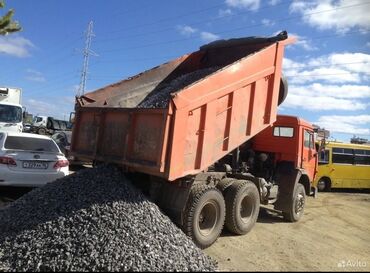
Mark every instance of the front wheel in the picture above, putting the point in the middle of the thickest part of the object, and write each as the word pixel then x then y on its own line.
pixel 41 131
pixel 296 210
pixel 323 185
pixel 204 215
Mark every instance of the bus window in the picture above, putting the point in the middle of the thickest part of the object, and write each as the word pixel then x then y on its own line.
pixel 343 156
pixel 362 157
pixel 324 157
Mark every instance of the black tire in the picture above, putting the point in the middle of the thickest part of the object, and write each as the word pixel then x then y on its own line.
pixel 204 216
pixel 323 185
pixel 295 213
pixel 41 131
pixel 242 206
pixel 283 90
pixel 225 183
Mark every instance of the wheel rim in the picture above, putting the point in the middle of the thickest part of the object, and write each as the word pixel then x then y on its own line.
pixel 246 208
pixel 321 185
pixel 299 204
pixel 208 218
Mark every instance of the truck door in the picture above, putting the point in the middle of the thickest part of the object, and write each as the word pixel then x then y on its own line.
pixel 309 154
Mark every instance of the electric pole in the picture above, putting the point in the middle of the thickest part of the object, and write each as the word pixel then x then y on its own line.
pixel 86 53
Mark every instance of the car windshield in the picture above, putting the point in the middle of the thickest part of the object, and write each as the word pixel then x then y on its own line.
pixel 10 113
pixel 30 144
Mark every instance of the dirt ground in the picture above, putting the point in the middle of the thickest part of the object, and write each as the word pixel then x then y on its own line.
pixel 333 235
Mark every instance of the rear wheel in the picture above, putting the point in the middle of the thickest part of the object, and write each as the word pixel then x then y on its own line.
pixel 296 210
pixel 242 206
pixel 204 215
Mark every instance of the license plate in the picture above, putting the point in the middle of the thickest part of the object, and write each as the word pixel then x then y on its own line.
pixel 35 165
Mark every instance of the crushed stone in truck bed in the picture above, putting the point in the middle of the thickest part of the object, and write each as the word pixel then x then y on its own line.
pixel 93 220
pixel 160 98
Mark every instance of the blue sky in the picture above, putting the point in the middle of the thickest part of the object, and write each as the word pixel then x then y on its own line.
pixel 328 69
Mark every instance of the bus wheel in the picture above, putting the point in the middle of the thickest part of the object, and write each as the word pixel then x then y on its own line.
pixel 204 216
pixel 323 185
pixel 296 210
pixel 242 206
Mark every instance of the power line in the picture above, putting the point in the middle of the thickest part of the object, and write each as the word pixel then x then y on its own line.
pixel 193 24
pixel 166 19
pixel 323 75
pixel 234 29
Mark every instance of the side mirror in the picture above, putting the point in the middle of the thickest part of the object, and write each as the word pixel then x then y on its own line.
pixel 24 112
pixel 72 117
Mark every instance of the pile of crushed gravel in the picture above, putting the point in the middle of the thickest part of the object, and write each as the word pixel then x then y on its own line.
pixel 94 220
pixel 160 98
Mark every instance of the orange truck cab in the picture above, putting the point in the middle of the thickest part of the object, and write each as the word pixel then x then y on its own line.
pixel 291 142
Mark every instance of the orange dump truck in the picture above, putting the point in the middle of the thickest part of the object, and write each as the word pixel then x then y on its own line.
pixel 179 129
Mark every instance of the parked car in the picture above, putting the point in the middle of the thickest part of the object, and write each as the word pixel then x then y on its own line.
pixel 63 140
pixel 27 127
pixel 29 160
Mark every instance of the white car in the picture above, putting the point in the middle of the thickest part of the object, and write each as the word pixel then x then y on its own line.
pixel 29 160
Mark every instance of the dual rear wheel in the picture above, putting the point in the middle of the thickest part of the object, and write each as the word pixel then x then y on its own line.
pixel 209 209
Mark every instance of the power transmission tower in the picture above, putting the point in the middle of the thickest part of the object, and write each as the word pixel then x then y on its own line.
pixel 87 52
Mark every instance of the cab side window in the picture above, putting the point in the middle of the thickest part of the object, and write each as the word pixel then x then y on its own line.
pixel 283 131
pixel 308 140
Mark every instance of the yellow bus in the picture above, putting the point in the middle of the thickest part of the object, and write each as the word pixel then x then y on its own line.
pixel 343 165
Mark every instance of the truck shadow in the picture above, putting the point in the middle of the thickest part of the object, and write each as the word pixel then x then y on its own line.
pixel 266 216
pixel 270 216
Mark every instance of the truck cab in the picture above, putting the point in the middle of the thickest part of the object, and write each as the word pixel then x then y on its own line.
pixel 40 121
pixel 291 142
pixel 11 112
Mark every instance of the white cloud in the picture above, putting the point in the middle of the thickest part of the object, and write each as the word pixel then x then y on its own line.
pixel 340 15
pixel 224 12
pixel 274 2
pixel 335 91
pixel 346 124
pixel 267 22
pixel 38 107
pixel 303 42
pixel 208 36
pixel 58 107
pixel 333 68
pixel 330 75
pixel 15 46
pixel 321 103
pixel 244 4
pixel 337 81
pixel 186 30
pixel 35 76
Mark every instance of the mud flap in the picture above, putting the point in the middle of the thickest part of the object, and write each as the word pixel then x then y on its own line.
pixel 286 181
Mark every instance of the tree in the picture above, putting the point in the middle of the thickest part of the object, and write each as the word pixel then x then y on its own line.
pixel 7 25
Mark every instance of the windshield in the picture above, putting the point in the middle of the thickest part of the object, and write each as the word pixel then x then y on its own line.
pixel 37 119
pixel 10 113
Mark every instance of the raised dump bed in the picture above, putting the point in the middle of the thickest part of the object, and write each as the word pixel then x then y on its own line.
pixel 179 118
